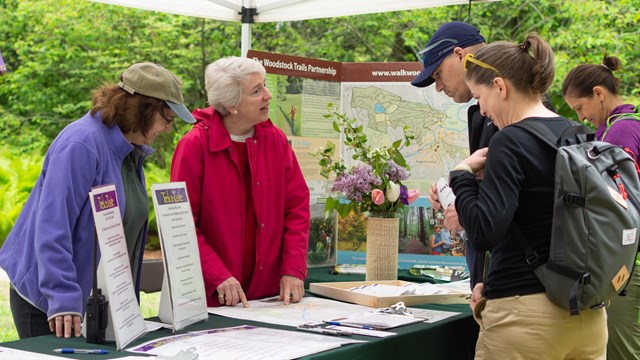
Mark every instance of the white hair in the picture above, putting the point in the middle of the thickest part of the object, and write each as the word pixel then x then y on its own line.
pixel 224 79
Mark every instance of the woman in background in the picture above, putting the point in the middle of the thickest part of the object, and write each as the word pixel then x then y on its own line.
pixel 593 92
pixel 249 200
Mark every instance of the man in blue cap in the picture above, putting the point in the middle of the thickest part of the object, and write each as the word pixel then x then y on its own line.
pixel 443 61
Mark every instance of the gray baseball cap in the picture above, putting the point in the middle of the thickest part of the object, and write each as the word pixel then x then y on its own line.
pixel 153 80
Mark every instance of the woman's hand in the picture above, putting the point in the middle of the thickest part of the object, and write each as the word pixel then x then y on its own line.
pixel 451 221
pixel 63 325
pixel 291 289
pixel 477 160
pixel 433 197
pixel 230 293
pixel 476 295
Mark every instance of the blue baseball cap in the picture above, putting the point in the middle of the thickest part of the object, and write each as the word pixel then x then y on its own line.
pixel 449 36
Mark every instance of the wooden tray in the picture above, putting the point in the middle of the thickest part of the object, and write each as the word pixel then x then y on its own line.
pixel 340 291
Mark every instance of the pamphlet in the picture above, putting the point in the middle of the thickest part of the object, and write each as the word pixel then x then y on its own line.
pixel 114 272
pixel 183 300
pixel 445 194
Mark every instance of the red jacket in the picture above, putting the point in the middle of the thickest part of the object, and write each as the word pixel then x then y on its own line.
pixel 205 159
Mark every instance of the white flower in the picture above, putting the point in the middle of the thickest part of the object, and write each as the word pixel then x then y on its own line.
pixel 393 191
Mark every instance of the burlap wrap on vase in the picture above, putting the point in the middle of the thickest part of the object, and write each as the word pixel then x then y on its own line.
pixel 382 248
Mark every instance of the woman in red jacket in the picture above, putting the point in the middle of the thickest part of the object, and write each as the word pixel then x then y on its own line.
pixel 249 200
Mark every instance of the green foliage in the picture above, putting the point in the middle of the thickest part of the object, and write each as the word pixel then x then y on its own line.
pixel 18 174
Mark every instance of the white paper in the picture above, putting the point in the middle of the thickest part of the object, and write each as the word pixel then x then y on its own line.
pixel 183 300
pixel 431 316
pixel 270 311
pixel 445 194
pixel 462 286
pixel 154 325
pixel 13 354
pixel 244 342
pixel 407 289
pixel 424 289
pixel 124 313
pixel 379 290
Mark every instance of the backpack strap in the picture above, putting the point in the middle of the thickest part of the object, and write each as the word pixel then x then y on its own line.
pixel 614 119
pixel 531 256
pixel 542 132
pixel 574 134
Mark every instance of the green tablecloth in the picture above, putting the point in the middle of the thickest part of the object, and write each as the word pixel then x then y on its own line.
pixel 450 339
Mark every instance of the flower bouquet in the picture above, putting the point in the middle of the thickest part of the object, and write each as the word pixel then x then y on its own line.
pixel 373 184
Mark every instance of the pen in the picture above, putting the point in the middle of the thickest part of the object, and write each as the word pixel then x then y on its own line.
pixel 81 351
pixel 325 331
pixel 352 325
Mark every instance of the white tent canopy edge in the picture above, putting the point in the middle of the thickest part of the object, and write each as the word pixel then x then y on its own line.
pixel 249 11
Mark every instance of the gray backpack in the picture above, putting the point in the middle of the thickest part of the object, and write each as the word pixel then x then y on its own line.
pixel 596 215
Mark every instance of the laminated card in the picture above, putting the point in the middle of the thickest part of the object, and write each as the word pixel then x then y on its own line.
pixel 125 321
pixel 183 299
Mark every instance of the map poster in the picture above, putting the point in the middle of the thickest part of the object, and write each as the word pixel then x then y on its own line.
pixel 380 97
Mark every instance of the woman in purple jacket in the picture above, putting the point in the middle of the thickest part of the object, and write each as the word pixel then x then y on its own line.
pixel 47 254
pixel 594 93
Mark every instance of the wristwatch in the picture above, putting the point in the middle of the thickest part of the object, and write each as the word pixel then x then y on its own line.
pixel 456 173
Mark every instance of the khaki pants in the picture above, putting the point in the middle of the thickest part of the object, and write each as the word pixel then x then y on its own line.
pixel 623 316
pixel 532 327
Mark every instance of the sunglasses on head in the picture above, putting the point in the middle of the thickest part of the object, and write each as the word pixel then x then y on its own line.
pixel 420 54
pixel 469 58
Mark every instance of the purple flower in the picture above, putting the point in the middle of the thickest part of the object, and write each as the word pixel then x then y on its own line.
pixel 396 172
pixel 404 195
pixel 356 183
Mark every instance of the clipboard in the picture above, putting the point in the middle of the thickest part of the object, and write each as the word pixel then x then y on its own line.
pixel 374 321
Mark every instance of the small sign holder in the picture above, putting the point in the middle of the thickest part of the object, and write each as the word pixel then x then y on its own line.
pixel 114 272
pixel 183 300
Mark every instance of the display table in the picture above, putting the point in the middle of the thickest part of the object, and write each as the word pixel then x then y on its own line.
pixel 453 338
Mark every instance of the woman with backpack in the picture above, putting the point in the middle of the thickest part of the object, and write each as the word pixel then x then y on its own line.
pixel 517 320
pixel 593 92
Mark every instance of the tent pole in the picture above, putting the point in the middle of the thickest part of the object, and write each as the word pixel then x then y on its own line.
pixel 247 17
pixel 246 39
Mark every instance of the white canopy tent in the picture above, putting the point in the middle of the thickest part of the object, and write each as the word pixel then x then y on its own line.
pixel 250 11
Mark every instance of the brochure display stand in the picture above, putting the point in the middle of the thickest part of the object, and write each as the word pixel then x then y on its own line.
pixel 114 272
pixel 183 299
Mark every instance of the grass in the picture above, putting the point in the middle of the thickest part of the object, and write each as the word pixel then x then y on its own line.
pixel 149 307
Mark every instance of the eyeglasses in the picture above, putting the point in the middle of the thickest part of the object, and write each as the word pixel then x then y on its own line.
pixel 420 54
pixel 166 119
pixel 469 58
